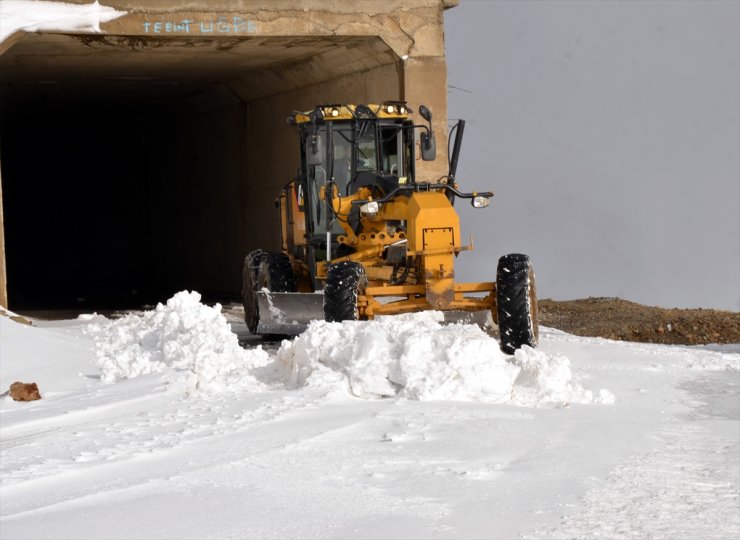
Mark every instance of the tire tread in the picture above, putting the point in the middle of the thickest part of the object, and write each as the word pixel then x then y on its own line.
pixel 344 282
pixel 516 303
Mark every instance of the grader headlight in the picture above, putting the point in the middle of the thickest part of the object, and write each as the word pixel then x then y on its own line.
pixel 370 208
pixel 479 201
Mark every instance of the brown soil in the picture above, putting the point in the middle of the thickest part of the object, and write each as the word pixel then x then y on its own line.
pixel 613 318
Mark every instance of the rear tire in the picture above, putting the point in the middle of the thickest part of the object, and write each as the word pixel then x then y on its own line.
pixel 516 303
pixel 249 287
pixel 345 281
pixel 272 271
pixel 275 273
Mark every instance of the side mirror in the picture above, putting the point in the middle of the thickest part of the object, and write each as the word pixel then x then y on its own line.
pixel 428 143
pixel 428 146
pixel 314 150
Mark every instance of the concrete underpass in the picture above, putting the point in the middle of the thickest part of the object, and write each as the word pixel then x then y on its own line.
pixel 136 164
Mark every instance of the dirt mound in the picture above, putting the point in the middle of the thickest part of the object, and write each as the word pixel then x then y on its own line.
pixel 613 318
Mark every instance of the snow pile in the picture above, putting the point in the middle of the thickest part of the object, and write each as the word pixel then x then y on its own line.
pixel 182 335
pixel 32 16
pixel 548 379
pixel 412 356
pixel 416 357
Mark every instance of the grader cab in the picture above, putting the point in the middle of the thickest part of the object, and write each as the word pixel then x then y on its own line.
pixel 362 236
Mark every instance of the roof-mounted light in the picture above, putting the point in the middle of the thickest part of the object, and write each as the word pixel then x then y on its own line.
pixel 395 108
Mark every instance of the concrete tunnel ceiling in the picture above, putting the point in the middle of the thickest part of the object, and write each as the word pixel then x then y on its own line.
pixel 139 158
pixel 253 67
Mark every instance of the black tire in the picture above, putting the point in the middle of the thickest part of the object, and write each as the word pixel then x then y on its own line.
pixel 275 273
pixel 516 303
pixel 249 287
pixel 264 270
pixel 345 281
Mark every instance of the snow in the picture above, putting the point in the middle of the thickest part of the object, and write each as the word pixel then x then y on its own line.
pixel 416 357
pixel 181 336
pixel 276 314
pixel 33 16
pixel 159 425
pixel 411 356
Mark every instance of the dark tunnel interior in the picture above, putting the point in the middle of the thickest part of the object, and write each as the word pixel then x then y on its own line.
pixel 133 168
pixel 117 197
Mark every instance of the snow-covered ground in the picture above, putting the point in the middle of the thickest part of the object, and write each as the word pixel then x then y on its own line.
pixel 159 425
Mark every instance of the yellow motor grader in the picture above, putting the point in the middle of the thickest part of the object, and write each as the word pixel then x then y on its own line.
pixel 362 236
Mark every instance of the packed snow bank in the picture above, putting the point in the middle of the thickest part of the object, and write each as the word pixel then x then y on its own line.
pixel 416 357
pixel 181 335
pixel 32 16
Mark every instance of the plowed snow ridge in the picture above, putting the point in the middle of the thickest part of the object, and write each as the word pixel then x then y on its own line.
pixel 412 356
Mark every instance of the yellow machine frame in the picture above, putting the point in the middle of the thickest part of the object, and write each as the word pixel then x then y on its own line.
pixel 433 236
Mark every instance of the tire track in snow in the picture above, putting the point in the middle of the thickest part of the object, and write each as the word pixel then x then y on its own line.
pixel 276 424
pixel 76 447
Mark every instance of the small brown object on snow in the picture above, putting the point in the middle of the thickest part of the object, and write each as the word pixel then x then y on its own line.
pixel 24 391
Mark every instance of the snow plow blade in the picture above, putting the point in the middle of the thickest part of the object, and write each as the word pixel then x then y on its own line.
pixel 288 313
pixel 481 318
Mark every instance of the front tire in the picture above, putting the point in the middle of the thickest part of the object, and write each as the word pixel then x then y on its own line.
pixel 345 281
pixel 516 303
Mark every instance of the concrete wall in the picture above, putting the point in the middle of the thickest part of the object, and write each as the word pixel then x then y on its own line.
pixel 209 85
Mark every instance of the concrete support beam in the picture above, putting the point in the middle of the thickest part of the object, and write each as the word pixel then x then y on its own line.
pixel 425 82
pixel 409 27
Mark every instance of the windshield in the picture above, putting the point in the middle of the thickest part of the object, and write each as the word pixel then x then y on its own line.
pixel 366 150
pixel 317 175
pixel 370 146
pixel 342 156
pixel 395 151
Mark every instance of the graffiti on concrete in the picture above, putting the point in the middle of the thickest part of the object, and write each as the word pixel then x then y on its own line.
pixel 219 25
